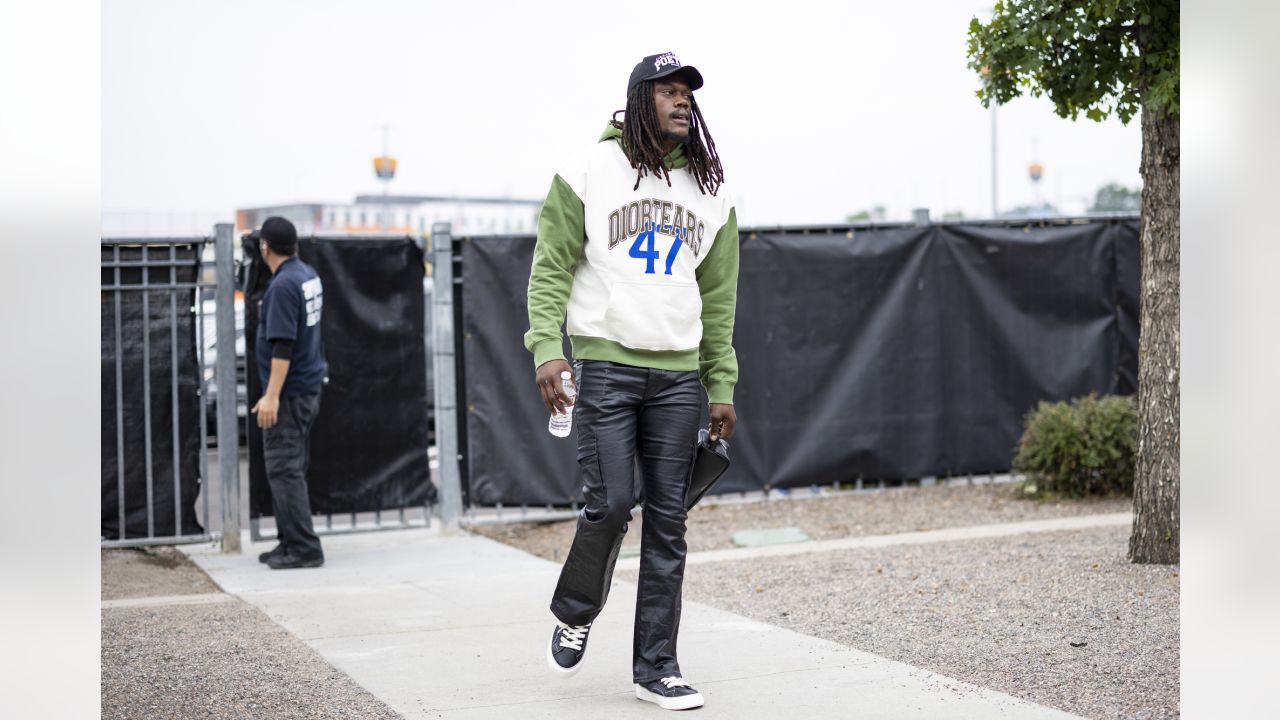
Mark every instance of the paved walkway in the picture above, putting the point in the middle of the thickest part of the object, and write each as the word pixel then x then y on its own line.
pixel 456 627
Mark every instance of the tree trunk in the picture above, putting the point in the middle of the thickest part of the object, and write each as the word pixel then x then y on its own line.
pixel 1155 537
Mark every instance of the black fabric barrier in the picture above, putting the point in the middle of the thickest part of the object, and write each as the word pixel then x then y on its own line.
pixel 157 324
pixel 880 353
pixel 510 455
pixel 369 442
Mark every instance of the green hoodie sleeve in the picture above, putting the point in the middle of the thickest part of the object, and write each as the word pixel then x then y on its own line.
pixel 561 235
pixel 718 283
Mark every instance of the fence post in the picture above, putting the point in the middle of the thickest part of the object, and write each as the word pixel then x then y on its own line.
pixel 446 380
pixel 228 435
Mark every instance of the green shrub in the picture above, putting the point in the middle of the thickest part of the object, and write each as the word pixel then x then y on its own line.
pixel 1087 447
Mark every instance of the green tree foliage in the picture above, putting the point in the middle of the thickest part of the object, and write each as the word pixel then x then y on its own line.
pixel 1114 197
pixel 1099 57
pixel 876 214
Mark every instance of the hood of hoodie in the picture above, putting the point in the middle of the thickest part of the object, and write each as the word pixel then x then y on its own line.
pixel 674 160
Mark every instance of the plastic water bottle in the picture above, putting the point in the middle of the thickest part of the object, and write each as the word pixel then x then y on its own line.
pixel 561 423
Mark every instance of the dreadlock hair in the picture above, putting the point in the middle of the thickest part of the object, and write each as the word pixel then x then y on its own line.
pixel 642 141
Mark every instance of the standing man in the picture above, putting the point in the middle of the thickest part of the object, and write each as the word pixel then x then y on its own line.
pixel 292 370
pixel 639 244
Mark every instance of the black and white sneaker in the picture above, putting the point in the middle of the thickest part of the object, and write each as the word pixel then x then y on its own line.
pixel 670 693
pixel 567 648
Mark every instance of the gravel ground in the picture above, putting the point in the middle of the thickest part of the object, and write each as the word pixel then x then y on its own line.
pixel 148 572
pixel 224 660
pixel 1002 613
pixel 895 510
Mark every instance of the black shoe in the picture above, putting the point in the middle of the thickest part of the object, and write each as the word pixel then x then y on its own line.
pixel 567 648
pixel 277 550
pixel 670 693
pixel 285 561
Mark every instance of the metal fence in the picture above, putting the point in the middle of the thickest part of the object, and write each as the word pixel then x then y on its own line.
pixel 171 283
pixel 458 508
pixel 154 289
pixel 485 396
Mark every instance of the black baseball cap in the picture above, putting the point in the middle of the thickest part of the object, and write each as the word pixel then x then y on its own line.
pixel 280 234
pixel 660 66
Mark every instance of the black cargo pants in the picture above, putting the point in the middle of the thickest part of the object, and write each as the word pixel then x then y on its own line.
pixel 622 413
pixel 286 450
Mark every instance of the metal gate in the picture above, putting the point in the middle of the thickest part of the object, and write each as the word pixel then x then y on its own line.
pixel 342 272
pixel 155 341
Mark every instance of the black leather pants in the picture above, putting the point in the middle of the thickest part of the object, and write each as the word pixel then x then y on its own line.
pixel 622 413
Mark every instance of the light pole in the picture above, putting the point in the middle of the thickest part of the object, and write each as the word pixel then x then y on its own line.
pixel 995 210
pixel 1035 171
pixel 995 172
pixel 385 167
pixel 986 86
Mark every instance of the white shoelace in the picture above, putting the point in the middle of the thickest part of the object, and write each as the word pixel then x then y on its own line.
pixel 572 636
pixel 674 682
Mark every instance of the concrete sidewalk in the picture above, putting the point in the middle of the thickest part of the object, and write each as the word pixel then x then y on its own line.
pixel 456 627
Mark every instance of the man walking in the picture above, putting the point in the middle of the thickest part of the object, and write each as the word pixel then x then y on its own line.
pixel 292 370
pixel 639 247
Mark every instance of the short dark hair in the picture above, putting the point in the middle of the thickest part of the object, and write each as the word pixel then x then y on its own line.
pixel 280 234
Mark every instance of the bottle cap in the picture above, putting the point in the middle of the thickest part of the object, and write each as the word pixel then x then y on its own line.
pixel 565 375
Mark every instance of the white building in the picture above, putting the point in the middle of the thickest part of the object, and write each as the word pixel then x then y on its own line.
pixel 401 214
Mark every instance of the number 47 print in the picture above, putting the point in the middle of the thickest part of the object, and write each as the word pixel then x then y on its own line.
pixel 643 248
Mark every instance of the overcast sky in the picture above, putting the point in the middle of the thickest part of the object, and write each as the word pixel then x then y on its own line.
pixel 818 109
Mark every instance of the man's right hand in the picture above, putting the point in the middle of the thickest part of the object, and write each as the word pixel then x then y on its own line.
pixel 550 384
pixel 267 409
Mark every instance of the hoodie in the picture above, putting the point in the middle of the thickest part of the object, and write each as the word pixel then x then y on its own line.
pixel 645 277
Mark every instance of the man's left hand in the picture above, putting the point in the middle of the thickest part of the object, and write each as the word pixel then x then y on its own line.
pixel 267 408
pixel 723 421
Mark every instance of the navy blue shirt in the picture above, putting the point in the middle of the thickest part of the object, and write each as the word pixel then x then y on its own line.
pixel 290 310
